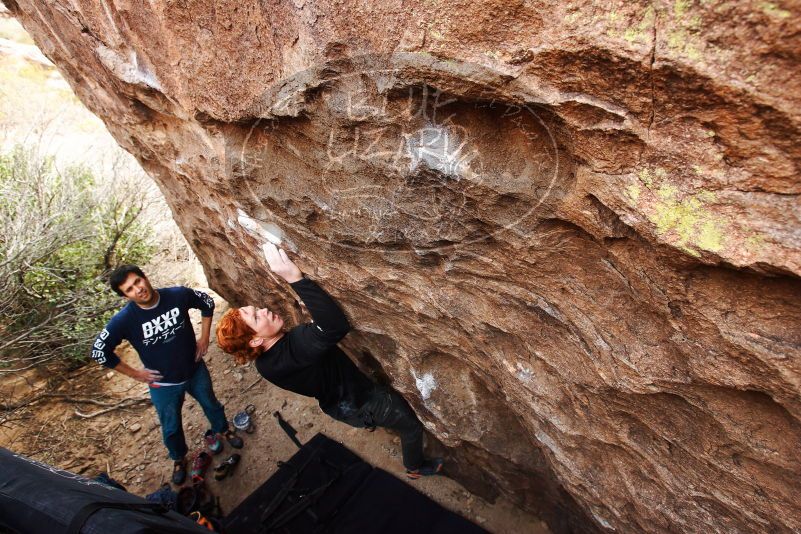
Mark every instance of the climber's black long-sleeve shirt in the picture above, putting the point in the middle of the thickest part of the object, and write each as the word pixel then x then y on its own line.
pixel 307 360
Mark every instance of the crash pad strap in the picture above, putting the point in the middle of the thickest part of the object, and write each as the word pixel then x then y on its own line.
pixel 84 513
pixel 288 429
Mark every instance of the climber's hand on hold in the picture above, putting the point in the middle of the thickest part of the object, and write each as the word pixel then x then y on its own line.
pixel 280 263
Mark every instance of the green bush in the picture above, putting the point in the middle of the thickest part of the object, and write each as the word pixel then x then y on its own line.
pixel 62 233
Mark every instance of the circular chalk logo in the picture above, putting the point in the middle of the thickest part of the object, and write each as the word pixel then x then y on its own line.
pixel 364 153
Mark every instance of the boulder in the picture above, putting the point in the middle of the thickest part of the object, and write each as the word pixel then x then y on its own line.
pixel 569 233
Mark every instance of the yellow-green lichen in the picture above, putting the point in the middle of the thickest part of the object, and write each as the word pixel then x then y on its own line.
pixel 631 35
pixel 633 192
pixel 754 243
pixel 646 177
pixel 706 196
pixel 683 38
pixel 772 10
pixel 648 18
pixel 678 40
pixel 692 52
pixel 717 174
pixel 639 32
pixel 680 7
pixel 710 236
pixel 685 220
pixel 667 192
pixel 435 34
pixel 688 224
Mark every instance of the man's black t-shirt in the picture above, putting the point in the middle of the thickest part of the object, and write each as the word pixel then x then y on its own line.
pixel 307 360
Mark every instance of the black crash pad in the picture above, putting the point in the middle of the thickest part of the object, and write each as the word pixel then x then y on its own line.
pixel 37 498
pixel 326 488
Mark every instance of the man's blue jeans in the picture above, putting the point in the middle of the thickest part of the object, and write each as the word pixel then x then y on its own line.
pixel 168 401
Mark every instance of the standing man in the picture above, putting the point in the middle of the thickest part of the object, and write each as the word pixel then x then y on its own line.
pixel 156 322
pixel 307 360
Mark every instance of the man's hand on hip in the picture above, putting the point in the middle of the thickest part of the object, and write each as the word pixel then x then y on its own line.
pixel 280 263
pixel 147 376
pixel 202 348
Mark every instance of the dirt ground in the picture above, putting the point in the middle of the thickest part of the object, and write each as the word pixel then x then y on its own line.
pixel 66 429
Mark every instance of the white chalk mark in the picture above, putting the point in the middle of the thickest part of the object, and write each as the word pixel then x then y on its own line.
pixel 260 230
pixel 602 521
pixel 425 384
pixel 128 70
pixel 524 373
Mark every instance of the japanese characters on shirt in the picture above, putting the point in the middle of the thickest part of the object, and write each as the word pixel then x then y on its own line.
pixel 162 329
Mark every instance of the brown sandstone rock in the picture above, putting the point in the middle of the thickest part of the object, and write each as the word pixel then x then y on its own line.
pixel 569 233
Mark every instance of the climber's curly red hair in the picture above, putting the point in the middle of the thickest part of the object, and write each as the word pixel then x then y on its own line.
pixel 233 336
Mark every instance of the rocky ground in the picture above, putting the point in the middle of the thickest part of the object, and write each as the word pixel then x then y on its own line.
pixel 63 430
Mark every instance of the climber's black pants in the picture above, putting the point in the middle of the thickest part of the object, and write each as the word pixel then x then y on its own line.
pixel 387 409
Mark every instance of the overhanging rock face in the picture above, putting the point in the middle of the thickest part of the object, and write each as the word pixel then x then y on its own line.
pixel 569 234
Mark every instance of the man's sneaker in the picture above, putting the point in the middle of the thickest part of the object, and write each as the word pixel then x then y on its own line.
pixel 429 467
pixel 179 472
pixel 213 443
pixel 233 440
pixel 199 465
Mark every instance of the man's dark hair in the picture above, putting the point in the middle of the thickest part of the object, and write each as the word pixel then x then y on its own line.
pixel 118 276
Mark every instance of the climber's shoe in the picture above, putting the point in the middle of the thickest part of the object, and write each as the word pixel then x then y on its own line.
pixel 199 465
pixel 233 440
pixel 225 468
pixel 213 443
pixel 429 468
